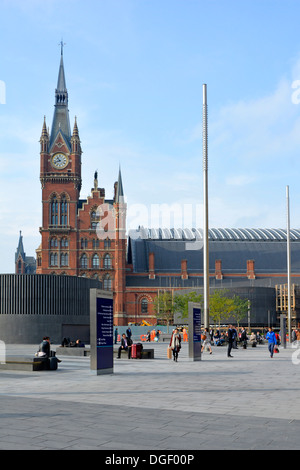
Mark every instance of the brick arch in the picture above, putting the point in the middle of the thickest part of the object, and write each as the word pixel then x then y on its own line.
pixel 53 195
pixel 64 194
pixel 140 297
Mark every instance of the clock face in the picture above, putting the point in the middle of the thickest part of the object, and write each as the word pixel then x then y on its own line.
pixel 59 161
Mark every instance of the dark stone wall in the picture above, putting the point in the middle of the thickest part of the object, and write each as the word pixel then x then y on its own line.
pixel 33 306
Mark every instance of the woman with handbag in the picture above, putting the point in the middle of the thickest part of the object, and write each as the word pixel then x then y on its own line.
pixel 175 344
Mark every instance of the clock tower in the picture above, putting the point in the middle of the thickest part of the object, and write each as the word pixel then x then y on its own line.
pixel 60 176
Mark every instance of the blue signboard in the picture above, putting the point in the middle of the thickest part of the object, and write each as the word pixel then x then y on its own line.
pixel 196 325
pixel 194 331
pixel 104 333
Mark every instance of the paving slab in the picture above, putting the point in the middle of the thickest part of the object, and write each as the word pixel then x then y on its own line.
pixel 246 402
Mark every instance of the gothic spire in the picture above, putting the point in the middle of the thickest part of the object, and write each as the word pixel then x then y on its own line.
pixel 120 192
pixel 61 120
pixel 20 249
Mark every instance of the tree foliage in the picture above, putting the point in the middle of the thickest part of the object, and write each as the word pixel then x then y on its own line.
pixel 181 302
pixel 164 307
pixel 220 306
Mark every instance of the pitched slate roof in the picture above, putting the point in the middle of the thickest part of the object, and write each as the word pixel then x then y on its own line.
pixel 267 247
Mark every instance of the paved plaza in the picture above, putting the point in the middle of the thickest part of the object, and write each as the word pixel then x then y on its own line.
pixel 249 401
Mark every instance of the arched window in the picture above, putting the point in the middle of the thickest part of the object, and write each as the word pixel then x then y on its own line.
pixel 95 261
pixel 64 259
pixel 107 261
pixel 64 211
pixel 53 242
pixel 53 259
pixel 54 211
pixel 83 261
pixel 107 284
pixel 144 306
pixel 64 243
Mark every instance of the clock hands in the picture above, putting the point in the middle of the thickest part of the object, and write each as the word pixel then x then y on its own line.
pixel 59 160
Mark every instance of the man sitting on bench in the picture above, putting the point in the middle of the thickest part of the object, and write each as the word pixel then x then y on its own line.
pixel 125 345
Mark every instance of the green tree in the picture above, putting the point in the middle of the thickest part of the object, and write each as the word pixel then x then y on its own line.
pixel 240 308
pixel 164 307
pixel 220 306
pixel 181 303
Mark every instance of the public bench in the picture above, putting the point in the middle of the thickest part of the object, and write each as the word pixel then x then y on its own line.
pixel 146 353
pixel 25 363
pixel 70 351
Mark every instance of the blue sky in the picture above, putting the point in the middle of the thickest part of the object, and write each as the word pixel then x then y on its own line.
pixel 134 72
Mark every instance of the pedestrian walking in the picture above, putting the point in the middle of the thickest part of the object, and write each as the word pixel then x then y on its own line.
pixel 175 344
pixel 272 342
pixel 230 338
pixel 206 341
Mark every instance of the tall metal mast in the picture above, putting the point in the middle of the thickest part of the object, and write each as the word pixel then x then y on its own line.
pixel 288 264
pixel 205 224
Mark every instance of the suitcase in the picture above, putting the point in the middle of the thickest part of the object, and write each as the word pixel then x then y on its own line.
pixel 169 352
pixel 52 363
pixel 136 351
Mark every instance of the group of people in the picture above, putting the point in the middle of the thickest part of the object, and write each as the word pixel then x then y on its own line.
pixel 67 343
pixel 232 337
pixel 207 337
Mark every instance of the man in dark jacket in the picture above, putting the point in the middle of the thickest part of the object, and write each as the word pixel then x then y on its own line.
pixel 126 344
pixel 44 347
pixel 244 338
pixel 230 338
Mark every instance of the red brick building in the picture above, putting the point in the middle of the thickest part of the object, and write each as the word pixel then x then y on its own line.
pixel 88 238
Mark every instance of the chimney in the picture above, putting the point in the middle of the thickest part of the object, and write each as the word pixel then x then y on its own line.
pixel 250 269
pixel 218 269
pixel 151 266
pixel 184 274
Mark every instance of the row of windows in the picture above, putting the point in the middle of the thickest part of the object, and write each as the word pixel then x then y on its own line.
pixel 107 263
pixel 84 243
pixel 64 259
pixel 63 243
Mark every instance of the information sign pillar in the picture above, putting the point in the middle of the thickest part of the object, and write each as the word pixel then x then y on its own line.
pixel 194 311
pixel 101 331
